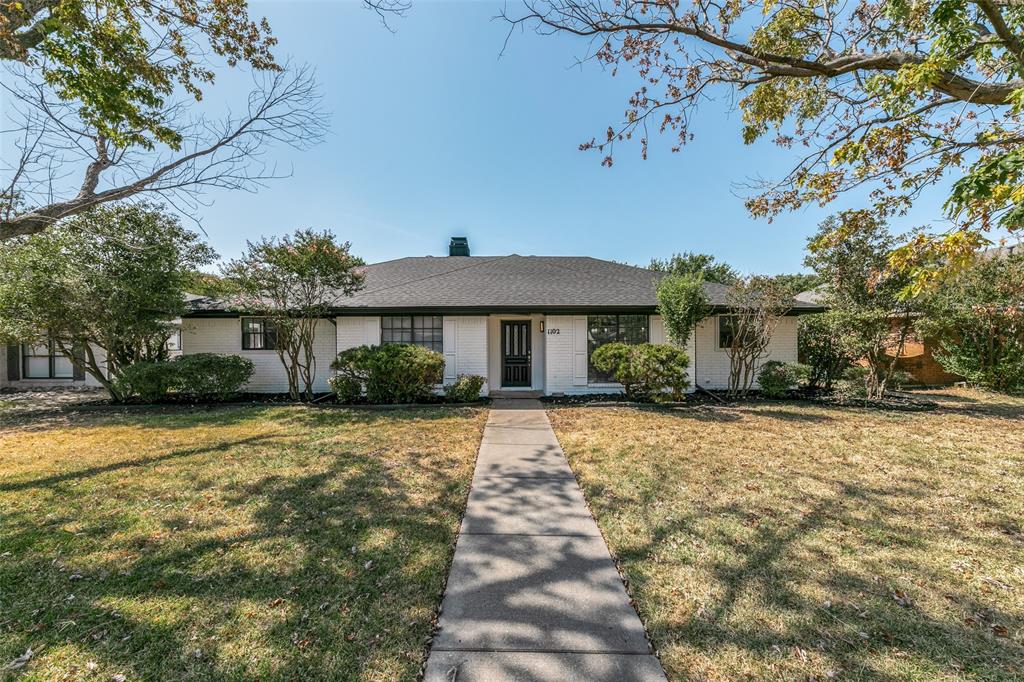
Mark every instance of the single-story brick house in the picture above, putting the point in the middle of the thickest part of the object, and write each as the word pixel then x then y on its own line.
pixel 524 323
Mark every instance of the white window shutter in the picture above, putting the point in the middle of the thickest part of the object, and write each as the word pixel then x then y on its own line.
pixel 657 328
pixel 579 347
pixel 371 330
pixel 450 344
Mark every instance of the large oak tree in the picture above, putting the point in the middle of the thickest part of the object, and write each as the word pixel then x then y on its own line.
pixel 98 99
pixel 888 95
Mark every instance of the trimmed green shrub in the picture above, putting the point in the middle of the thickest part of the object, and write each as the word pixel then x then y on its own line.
pixel 388 374
pixel 148 381
pixel 210 376
pixel 775 378
pixel 853 385
pixel 352 372
pixel 346 388
pixel 647 371
pixel 466 388
pixel 822 346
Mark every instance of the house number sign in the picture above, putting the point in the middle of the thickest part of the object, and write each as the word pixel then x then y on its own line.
pixel 552 331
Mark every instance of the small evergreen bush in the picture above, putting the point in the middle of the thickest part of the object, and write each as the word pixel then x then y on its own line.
pixel 647 371
pixel 388 374
pixel 211 376
pixel 148 381
pixel 775 378
pixel 466 388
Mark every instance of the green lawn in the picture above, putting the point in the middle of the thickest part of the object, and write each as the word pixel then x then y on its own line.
pixel 785 541
pixel 240 542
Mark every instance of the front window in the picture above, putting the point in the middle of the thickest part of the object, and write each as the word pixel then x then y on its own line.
pixel 44 361
pixel 419 330
pixel 727 328
pixel 602 329
pixel 258 334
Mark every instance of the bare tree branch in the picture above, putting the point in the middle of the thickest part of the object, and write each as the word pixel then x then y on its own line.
pixel 284 108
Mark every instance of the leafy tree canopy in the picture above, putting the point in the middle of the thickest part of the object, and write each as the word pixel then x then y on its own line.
pixel 796 283
pixel 122 59
pixel 978 320
pixel 888 96
pixel 293 282
pixel 114 277
pixel 682 303
pixel 690 263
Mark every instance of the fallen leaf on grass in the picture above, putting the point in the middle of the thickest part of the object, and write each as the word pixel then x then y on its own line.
pixel 1000 630
pixel 21 661
pixel 901 598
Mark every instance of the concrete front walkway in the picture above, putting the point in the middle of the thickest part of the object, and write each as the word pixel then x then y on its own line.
pixel 533 593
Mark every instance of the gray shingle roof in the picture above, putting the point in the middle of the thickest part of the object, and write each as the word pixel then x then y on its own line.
pixel 503 282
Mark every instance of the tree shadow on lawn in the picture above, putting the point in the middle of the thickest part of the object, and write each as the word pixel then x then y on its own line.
pixel 862 621
pixel 331 573
pixel 214 414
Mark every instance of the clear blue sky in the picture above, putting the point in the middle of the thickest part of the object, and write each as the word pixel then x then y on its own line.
pixel 434 133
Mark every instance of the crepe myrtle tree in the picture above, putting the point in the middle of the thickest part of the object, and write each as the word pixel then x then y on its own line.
pixel 885 97
pixel 754 307
pixel 101 95
pixel 293 282
pixel 114 277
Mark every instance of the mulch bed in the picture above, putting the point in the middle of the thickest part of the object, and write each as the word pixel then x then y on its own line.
pixel 894 401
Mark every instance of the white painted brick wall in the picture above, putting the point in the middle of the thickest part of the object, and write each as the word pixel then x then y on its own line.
pixel 712 364
pixel 465 350
pixel 358 331
pixel 224 335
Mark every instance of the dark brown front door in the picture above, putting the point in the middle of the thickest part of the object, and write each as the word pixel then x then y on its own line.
pixel 515 353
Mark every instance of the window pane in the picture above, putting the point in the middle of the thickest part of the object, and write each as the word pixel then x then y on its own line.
pixel 37 367
pixel 726 330
pixel 601 329
pixel 633 328
pixel 62 367
pixel 38 349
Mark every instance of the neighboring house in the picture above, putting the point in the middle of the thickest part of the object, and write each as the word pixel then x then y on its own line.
pixel 915 358
pixel 524 323
pixel 41 365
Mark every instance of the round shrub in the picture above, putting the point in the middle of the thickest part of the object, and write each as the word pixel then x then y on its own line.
pixel 647 371
pixel 388 374
pixel 466 388
pixel 148 381
pixel 775 378
pixel 209 376
pixel 346 388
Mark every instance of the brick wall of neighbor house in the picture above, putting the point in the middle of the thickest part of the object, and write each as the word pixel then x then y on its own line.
pixel 711 364
pixel 224 335
pixel 88 382
pixel 919 361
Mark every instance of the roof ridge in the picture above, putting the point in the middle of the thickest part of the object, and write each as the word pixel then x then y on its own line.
pixel 490 259
pixel 623 281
